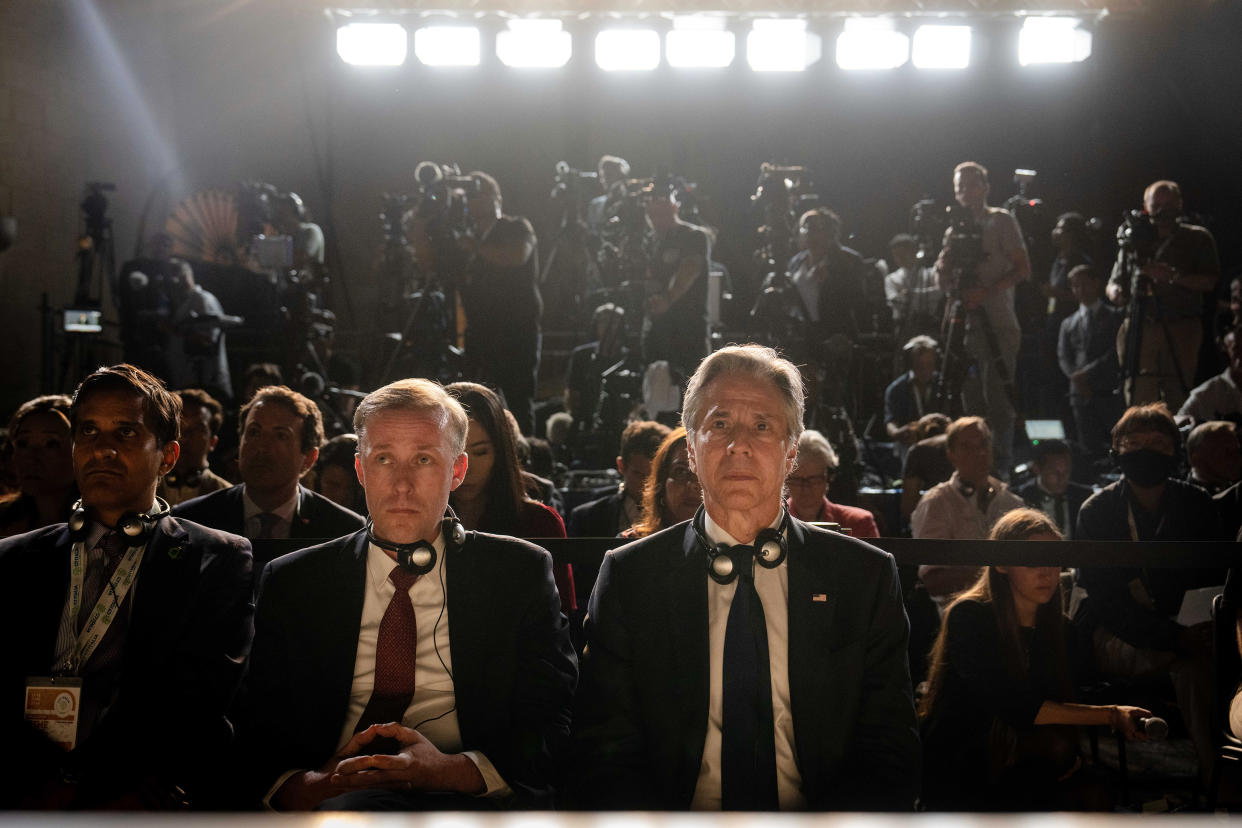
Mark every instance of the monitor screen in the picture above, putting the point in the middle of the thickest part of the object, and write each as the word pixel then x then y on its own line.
pixel 82 320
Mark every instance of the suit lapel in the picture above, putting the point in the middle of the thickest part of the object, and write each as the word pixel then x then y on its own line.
pixel 468 631
pixel 685 600
pixel 303 513
pixel 342 622
pixel 812 605
pixel 167 577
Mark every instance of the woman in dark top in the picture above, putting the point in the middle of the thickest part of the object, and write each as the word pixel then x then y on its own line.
pixel 43 465
pixel 493 498
pixel 672 492
pixel 999 723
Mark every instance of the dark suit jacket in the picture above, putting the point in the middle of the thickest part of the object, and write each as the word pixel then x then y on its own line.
pixel 317 518
pixel 514 668
pixel 1075 496
pixel 641 717
pixel 597 518
pixel 189 632
pixel 1090 343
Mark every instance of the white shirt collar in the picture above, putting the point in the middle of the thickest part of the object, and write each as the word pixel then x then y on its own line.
pixel 716 534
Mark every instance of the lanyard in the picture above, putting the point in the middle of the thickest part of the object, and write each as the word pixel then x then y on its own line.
pixel 106 607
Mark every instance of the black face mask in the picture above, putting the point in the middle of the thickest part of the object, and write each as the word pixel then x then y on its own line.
pixel 1147 467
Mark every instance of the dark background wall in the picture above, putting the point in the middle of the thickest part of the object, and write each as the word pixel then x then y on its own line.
pixel 244 90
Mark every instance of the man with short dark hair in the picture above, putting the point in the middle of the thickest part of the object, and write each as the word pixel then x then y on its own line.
pixel 281 432
pixel 1087 354
pixel 414 665
pixel 1219 397
pixel 1052 491
pixel 612 514
pixel 909 397
pixel 712 644
pixel 141 621
pixel 201 417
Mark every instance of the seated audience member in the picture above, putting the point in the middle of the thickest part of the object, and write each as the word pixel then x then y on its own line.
pixel 336 478
pixel 42 464
pixel 1219 397
pixel 965 506
pixel 1130 612
pixel 808 489
pixel 1214 454
pixel 999 719
pixel 281 432
pixel 146 636
pixel 372 687
pixel 671 494
pixel 201 417
pixel 909 397
pixel 927 463
pixel 259 375
pixel 1052 492
pixel 493 498
pixel 612 514
pixel 711 643
pixel 1087 353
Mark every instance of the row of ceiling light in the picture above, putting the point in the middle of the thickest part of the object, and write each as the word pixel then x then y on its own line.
pixel 772 45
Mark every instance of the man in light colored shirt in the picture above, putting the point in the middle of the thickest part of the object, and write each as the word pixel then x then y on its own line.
pixel 1217 398
pixel 411 665
pixel 746 660
pixel 965 506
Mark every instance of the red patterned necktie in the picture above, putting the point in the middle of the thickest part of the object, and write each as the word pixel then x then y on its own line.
pixel 395 656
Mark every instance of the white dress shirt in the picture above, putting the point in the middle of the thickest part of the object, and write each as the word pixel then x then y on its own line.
pixel 285 511
pixel 773 588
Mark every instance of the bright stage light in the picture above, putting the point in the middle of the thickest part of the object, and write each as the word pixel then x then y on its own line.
pixel 941 47
pixel 699 42
pixel 534 44
pixel 627 50
pixel 372 44
pixel 447 45
pixel 775 45
pixel 871 43
pixel 1052 40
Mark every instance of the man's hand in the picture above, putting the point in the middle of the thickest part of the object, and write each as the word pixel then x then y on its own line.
pixel 908 434
pixel 417 766
pixel 1078 379
pixel 1162 273
pixel 1125 720
pixel 303 791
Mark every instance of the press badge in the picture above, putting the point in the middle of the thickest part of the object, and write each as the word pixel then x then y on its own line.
pixel 53 705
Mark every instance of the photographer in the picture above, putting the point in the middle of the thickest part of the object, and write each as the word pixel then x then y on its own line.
pixel 986 289
pixel 676 324
pixel 194 354
pixel 501 298
pixel 612 173
pixel 1176 264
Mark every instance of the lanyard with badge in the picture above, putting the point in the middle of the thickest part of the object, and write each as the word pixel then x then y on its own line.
pixel 53 703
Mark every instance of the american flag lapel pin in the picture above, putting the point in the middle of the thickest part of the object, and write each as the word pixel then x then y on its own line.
pixel 819 598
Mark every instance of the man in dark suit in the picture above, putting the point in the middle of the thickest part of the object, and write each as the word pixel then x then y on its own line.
pixel 335 714
pixel 612 514
pixel 746 660
pixel 1087 353
pixel 1052 492
pixel 144 618
pixel 281 432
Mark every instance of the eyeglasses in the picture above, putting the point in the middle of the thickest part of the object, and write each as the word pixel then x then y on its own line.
pixel 683 475
pixel 809 480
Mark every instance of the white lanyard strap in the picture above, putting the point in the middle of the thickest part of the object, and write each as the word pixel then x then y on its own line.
pixel 105 610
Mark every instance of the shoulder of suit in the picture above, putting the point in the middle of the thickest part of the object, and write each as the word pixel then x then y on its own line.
pixel 196 505
pixel 180 528
pixel 41 538
pixel 656 550
pixel 840 543
pixel 317 555
pixel 317 501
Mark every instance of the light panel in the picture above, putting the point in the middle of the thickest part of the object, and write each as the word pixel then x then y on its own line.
pixel 1052 40
pixel 699 42
pixel 447 45
pixel 776 45
pixel 534 44
pixel 871 43
pixel 372 44
pixel 627 50
pixel 941 47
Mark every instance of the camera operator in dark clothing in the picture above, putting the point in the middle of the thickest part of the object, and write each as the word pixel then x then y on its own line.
pixel 988 300
pixel 828 276
pixel 587 363
pixel 501 296
pixel 1130 612
pixel 676 324
pixel 1177 263
pixel 908 397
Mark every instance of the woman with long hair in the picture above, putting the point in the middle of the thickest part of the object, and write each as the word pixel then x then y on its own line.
pixel 671 494
pixel 493 497
pixel 43 465
pixel 999 720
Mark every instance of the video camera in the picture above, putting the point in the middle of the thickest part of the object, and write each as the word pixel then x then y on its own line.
pixel 1137 233
pixel 965 241
pixel 569 180
pixel 442 194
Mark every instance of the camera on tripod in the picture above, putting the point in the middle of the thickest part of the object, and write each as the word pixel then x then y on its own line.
pixel 569 181
pixel 1137 234
pixel 965 241
pixel 443 193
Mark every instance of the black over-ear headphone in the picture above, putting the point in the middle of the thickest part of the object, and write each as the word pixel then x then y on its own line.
pixel 724 562
pixel 136 527
pixel 419 557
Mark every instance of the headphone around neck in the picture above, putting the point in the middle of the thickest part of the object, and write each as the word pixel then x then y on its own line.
pixel 724 562
pixel 135 527
pixel 419 557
